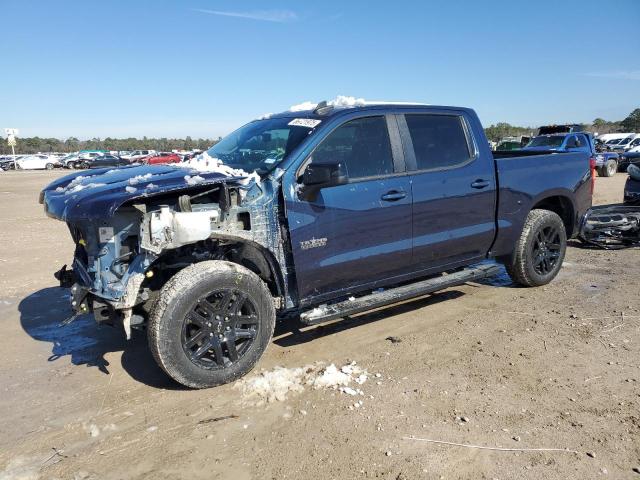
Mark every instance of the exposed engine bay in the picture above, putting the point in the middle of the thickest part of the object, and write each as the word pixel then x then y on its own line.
pixel 122 261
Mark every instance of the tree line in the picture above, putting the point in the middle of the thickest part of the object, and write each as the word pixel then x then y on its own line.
pixel 494 132
pixel 630 124
pixel 72 144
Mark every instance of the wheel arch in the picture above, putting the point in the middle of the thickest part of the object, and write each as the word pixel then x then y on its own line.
pixel 247 253
pixel 562 206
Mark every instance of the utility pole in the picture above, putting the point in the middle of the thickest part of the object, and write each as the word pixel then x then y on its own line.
pixel 11 141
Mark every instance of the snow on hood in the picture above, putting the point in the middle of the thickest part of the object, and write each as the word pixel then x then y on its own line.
pixel 97 194
pixel 206 163
pixel 339 101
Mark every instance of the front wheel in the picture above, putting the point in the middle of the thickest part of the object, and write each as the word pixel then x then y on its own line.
pixel 49 166
pixel 211 323
pixel 540 250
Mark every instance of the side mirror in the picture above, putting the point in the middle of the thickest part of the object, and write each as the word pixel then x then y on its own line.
pixel 322 175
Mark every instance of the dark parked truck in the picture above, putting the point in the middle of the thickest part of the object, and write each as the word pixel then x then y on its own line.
pixel 315 213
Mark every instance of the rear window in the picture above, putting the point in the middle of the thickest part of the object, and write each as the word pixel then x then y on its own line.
pixel 439 141
pixel 546 141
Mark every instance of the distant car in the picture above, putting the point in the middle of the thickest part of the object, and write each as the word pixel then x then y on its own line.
pixel 562 142
pixel 628 158
pixel 89 156
pixel 108 160
pixel 71 161
pixel 38 162
pixel 159 158
pixel 632 186
pixel 625 143
pixel 138 154
pixel 508 145
pixel 634 146
pixel 607 163
pixel 6 163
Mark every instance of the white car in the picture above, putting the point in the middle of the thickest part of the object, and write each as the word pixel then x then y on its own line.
pixel 38 162
pixel 608 137
pixel 634 146
pixel 138 154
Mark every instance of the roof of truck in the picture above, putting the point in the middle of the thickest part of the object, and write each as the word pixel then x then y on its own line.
pixel 326 109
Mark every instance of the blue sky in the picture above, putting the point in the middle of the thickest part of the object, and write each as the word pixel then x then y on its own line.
pixel 204 67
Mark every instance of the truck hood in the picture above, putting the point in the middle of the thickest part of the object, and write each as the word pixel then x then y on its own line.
pixel 97 194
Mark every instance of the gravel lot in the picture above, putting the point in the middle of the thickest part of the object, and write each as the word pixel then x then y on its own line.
pixel 482 364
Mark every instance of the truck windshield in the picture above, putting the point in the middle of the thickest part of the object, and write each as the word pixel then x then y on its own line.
pixel 545 141
pixel 261 145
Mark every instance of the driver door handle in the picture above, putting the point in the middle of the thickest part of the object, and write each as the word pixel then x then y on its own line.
pixel 394 195
pixel 480 183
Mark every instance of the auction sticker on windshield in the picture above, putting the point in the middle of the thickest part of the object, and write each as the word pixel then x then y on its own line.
pixel 304 122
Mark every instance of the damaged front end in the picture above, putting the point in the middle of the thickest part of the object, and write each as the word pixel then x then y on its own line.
pixel 131 238
pixel 611 227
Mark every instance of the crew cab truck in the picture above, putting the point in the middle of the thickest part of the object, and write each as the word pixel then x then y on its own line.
pixel 315 213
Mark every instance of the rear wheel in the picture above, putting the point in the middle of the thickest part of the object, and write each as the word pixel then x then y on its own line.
pixel 539 251
pixel 610 169
pixel 49 166
pixel 211 323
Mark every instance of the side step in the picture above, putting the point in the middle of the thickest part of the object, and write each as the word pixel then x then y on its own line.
pixel 324 313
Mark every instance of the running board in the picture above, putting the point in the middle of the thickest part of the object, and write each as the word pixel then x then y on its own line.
pixel 324 313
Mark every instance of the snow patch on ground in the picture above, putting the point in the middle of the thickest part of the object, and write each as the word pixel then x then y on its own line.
pixel 275 385
pixel 339 101
pixel 21 468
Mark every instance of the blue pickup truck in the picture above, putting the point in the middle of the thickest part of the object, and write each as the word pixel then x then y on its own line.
pixel 606 163
pixel 318 214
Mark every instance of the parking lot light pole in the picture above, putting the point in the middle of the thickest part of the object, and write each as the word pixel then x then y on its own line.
pixel 11 141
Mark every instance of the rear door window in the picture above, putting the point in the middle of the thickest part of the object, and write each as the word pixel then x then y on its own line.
pixel 571 142
pixel 361 145
pixel 439 141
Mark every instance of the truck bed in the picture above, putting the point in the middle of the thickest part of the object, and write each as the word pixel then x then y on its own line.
pixel 525 176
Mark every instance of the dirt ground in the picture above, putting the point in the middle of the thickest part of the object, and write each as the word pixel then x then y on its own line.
pixel 483 364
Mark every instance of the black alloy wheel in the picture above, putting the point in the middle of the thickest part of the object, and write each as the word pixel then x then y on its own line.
pixel 220 328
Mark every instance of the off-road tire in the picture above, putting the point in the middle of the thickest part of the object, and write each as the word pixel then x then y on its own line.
pixel 180 295
pixel 520 265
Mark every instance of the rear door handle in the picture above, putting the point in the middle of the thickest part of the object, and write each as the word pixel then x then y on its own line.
pixel 393 195
pixel 480 183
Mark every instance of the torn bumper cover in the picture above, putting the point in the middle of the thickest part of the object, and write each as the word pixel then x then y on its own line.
pixel 611 227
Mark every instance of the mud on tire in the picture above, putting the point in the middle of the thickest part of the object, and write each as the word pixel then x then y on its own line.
pixel 540 250
pixel 211 323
